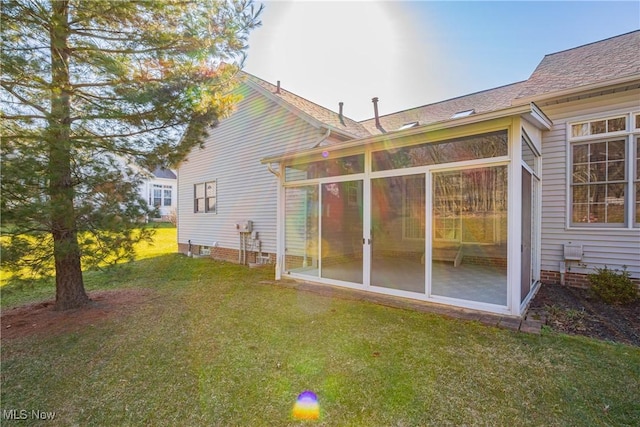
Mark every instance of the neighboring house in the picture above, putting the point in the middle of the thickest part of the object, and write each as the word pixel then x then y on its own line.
pixel 471 202
pixel 160 192
pixel 159 188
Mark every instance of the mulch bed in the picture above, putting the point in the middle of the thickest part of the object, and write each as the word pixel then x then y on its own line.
pixel 575 311
pixel 41 319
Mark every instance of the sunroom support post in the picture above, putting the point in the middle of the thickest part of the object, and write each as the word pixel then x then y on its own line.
pixel 514 238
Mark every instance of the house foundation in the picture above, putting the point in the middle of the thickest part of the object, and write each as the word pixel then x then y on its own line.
pixel 224 254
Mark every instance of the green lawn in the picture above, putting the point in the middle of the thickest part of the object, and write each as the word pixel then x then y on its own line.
pixel 214 346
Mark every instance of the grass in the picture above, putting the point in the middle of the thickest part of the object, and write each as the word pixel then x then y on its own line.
pixel 215 346
pixel 19 292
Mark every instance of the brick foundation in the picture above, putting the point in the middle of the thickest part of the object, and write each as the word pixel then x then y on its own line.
pixel 577 280
pixel 224 254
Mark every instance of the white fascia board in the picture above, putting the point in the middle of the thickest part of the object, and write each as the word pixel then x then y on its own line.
pixel 530 111
pixel 296 111
pixel 538 118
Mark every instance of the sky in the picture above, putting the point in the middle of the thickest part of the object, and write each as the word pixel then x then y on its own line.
pixel 410 54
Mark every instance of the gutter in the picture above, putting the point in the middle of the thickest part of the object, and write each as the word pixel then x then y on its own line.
pixel 529 112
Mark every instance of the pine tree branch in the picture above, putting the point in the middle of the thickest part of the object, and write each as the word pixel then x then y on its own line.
pixel 24 100
pixel 20 117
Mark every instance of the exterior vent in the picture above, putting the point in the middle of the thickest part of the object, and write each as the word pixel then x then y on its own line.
pixel 572 252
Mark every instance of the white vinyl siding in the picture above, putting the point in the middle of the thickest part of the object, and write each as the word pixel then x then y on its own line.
pixel 614 247
pixel 231 156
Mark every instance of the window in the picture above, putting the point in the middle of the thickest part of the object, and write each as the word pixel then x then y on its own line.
pixel 598 127
pixel 529 156
pixel 470 206
pixel 205 197
pixel 604 189
pixel 157 195
pixel 160 195
pixel 167 195
pixel 598 182
pixel 325 168
pixel 473 147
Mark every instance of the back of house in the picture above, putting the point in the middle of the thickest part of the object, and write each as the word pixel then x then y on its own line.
pixel 227 198
pixel 536 181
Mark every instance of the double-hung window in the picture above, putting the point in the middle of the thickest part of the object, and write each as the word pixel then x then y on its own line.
pixel 160 195
pixel 604 188
pixel 205 195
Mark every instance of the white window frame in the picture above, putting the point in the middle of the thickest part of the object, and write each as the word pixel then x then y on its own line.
pixel 631 136
pixel 163 195
pixel 165 189
pixel 152 195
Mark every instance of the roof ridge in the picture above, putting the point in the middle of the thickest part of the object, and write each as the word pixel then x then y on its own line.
pixel 299 96
pixel 446 100
pixel 591 43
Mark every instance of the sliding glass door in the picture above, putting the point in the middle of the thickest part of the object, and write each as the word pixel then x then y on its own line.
pixel 398 232
pixel 469 243
pixel 341 231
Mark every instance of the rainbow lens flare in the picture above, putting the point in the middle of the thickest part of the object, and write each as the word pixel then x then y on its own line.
pixel 306 407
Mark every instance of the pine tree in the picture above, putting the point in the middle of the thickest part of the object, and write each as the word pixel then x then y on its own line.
pixel 88 88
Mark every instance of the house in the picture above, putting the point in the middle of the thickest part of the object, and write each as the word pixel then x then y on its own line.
pixel 472 202
pixel 157 187
pixel 159 190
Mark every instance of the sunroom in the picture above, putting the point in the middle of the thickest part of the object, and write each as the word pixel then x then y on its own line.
pixel 445 212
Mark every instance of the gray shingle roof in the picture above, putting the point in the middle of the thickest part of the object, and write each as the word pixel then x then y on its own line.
pixel 161 172
pixel 481 102
pixel 597 62
pixel 589 64
pixel 321 114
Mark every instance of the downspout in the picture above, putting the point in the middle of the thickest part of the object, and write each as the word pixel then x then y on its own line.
pixel 270 169
pixel 322 138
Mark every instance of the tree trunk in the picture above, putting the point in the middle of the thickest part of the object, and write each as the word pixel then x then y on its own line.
pixel 70 291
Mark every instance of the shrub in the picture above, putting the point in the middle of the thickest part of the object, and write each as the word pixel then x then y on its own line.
pixel 173 217
pixel 613 286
